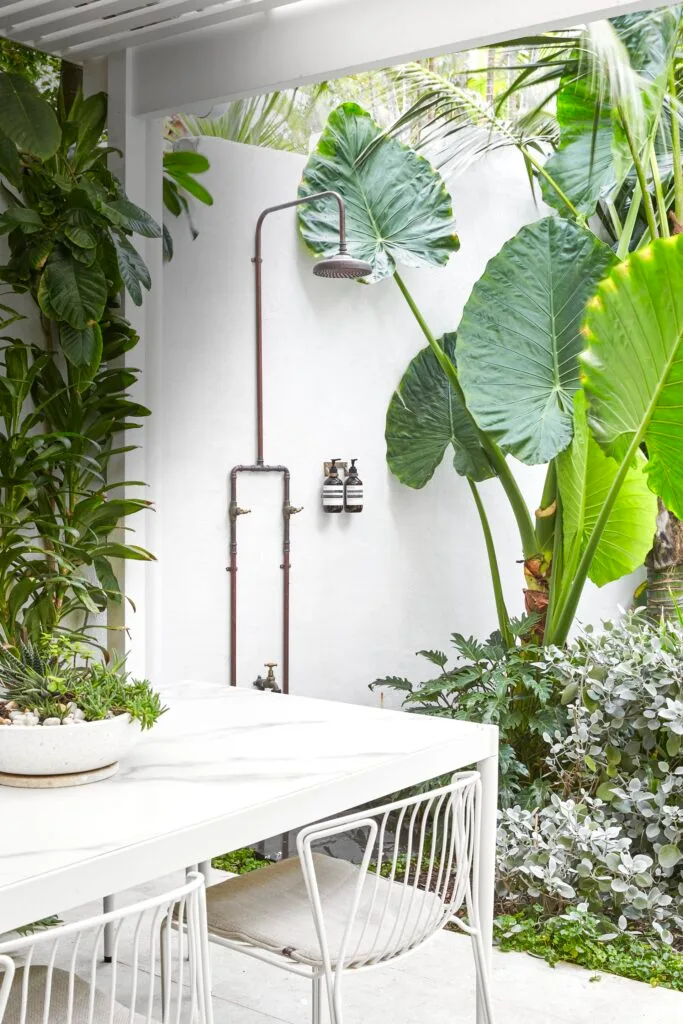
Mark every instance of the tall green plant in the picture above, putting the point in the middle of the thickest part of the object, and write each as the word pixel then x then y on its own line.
pixel 524 377
pixel 67 219
pixel 64 406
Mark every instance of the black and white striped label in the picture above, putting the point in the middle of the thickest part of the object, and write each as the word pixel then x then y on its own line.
pixel 333 494
pixel 354 494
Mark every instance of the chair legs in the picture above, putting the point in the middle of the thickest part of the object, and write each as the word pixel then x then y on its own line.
pixel 483 986
pixel 316 999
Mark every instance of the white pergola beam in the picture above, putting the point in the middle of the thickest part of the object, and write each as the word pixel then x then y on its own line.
pixel 177 17
pixel 319 39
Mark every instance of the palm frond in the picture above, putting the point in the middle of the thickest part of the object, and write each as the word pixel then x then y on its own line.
pixel 457 125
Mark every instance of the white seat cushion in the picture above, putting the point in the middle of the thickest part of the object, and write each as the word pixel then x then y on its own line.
pixel 59 1001
pixel 269 908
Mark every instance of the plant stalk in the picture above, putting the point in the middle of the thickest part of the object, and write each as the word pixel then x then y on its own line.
pixel 501 610
pixel 640 172
pixel 570 603
pixel 495 455
pixel 676 151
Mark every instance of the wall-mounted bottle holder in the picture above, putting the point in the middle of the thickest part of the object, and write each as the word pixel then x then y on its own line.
pixel 341 495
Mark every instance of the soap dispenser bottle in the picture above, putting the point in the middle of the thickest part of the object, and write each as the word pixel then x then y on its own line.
pixel 333 490
pixel 353 490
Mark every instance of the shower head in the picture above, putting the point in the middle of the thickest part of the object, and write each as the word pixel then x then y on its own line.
pixel 342 265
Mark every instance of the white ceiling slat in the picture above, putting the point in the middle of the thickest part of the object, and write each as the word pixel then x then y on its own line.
pixel 14 14
pixel 117 20
pixel 113 41
pixel 53 17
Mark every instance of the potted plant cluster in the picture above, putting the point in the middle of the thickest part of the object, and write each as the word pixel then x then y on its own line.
pixel 64 714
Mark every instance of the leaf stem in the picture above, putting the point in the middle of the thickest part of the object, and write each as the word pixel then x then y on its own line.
pixel 495 455
pixel 501 610
pixel 565 614
pixel 640 172
pixel 676 148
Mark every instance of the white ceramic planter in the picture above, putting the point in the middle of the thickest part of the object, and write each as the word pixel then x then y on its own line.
pixel 66 749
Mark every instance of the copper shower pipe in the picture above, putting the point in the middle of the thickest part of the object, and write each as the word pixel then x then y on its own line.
pixel 235 512
pixel 259 467
pixel 258 261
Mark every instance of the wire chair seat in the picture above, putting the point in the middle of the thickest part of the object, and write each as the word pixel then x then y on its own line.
pixel 59 1001
pixel 57 976
pixel 270 908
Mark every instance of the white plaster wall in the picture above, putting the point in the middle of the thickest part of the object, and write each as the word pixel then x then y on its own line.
pixel 368 590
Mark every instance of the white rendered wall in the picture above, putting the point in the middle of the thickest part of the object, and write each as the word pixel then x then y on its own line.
pixel 368 590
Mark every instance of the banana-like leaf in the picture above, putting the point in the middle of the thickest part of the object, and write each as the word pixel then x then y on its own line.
pixel 72 291
pixel 397 207
pixel 26 118
pixel 519 338
pixel 425 416
pixel 585 475
pixel 592 156
pixel 83 348
pixel 632 368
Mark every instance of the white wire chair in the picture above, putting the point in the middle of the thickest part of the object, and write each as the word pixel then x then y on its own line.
pixel 57 977
pixel 319 916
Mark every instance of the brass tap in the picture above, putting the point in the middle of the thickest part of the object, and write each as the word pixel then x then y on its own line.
pixel 290 510
pixel 270 682
pixel 236 511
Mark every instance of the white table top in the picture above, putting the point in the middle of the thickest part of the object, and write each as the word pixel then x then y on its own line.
pixel 221 769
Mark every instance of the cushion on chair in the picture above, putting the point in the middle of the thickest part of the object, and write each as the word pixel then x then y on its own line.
pixel 59 1001
pixel 269 908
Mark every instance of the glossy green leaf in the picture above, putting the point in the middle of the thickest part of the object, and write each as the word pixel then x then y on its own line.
pixel 519 338
pixel 592 155
pixel 398 210
pixel 132 267
pixel 10 163
pixel 585 475
pixel 632 367
pixel 424 418
pixel 185 161
pixel 72 291
pixel 127 215
pixel 26 118
pixel 82 348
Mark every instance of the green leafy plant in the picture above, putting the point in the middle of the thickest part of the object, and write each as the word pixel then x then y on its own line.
pixel 240 862
pixel 546 324
pixel 67 219
pixel 579 937
pixel 57 676
pixel 59 503
pixel 507 686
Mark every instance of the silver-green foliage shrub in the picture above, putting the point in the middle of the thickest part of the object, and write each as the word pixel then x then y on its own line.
pixel 611 837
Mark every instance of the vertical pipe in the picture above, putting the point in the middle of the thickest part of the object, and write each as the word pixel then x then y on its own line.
pixel 233 578
pixel 258 265
pixel 285 581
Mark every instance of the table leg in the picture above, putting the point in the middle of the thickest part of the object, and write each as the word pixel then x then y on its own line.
pixel 488 769
pixel 107 907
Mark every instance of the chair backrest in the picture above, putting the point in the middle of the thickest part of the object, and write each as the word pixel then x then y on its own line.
pixel 418 868
pixel 57 976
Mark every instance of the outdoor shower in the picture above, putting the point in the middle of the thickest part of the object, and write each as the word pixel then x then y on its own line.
pixel 342 266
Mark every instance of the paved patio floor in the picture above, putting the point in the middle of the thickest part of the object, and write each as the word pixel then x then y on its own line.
pixel 434 986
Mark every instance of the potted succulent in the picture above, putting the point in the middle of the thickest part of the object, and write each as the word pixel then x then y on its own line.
pixel 66 718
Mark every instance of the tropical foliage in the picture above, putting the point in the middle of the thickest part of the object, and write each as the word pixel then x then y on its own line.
pixel 65 403
pixel 545 364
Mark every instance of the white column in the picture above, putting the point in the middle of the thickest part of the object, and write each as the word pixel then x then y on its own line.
pixel 140 171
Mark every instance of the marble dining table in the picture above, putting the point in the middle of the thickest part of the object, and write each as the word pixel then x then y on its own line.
pixel 223 768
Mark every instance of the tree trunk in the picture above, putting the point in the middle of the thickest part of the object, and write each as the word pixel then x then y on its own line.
pixel 665 568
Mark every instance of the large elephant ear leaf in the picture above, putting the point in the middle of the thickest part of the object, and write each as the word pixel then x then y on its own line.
pixel 519 338
pixel 398 210
pixel 632 368
pixel 425 417
pixel 585 475
pixel 26 118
